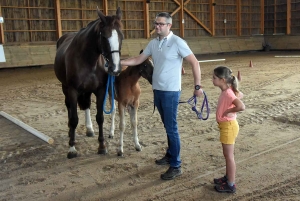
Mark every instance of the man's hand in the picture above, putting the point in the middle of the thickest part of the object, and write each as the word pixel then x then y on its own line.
pixel 198 92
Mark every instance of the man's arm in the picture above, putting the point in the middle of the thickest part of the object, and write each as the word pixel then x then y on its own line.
pixel 192 60
pixel 133 61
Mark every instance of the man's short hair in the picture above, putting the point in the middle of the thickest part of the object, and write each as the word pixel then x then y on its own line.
pixel 166 15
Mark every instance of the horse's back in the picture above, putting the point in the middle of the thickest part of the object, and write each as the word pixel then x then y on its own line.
pixel 65 38
pixel 59 63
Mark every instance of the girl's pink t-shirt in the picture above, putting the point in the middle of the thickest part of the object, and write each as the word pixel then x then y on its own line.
pixel 225 102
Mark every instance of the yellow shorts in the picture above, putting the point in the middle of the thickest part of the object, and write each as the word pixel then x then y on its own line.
pixel 229 130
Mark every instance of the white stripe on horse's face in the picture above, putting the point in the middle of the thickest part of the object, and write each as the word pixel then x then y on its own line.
pixel 114 46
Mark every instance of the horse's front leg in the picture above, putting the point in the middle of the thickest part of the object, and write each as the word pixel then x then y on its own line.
pixel 71 102
pixel 100 119
pixel 121 127
pixel 88 123
pixel 133 120
pixel 112 126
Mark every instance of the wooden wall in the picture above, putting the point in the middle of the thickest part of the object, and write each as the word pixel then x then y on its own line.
pixel 31 27
pixel 44 20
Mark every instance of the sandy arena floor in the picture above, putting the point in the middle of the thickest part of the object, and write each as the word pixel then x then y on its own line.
pixel 267 150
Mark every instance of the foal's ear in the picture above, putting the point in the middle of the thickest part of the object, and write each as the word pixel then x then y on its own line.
pixel 119 13
pixel 101 15
pixel 141 51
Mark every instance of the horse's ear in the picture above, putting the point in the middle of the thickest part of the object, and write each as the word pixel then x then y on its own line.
pixel 141 51
pixel 119 13
pixel 101 15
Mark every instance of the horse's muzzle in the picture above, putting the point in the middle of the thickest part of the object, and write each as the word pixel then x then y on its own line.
pixel 113 73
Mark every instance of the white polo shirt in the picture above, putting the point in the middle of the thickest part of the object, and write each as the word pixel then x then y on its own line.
pixel 167 56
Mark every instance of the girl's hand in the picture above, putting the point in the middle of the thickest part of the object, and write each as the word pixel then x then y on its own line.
pixel 227 114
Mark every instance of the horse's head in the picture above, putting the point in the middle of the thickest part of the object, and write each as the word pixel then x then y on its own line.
pixel 110 41
pixel 146 69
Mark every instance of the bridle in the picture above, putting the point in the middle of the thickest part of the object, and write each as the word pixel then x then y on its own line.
pixel 110 81
pixel 107 54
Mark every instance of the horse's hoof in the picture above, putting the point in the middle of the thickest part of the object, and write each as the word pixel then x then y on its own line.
pixel 72 155
pixel 120 154
pixel 102 151
pixel 138 149
pixel 90 134
pixel 111 136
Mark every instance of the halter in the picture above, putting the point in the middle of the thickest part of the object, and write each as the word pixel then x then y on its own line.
pixel 110 81
pixel 111 52
pixel 193 102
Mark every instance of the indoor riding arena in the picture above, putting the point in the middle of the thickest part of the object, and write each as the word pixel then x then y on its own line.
pixel 258 39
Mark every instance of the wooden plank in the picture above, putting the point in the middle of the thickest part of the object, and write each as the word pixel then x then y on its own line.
pixel 212 17
pixel 146 20
pixel 197 20
pixel 1 30
pixel 288 17
pixel 181 19
pixel 105 7
pixel 275 18
pixel 239 30
pixel 58 18
pixel 262 17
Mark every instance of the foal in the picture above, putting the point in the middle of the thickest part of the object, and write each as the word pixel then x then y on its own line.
pixel 127 94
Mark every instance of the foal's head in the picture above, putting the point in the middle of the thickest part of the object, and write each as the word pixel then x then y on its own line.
pixel 110 41
pixel 146 69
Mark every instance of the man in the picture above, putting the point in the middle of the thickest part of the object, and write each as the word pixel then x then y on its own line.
pixel 167 52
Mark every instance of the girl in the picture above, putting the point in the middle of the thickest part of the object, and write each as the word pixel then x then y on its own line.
pixel 228 104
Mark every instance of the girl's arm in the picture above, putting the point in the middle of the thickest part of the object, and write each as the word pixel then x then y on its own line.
pixel 239 106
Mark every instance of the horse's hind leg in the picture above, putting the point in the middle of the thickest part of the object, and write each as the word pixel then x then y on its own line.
pixel 84 102
pixel 88 123
pixel 133 120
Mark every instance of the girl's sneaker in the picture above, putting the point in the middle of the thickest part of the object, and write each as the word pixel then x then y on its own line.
pixel 225 188
pixel 220 181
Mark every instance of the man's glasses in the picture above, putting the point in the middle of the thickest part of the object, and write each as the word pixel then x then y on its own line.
pixel 159 24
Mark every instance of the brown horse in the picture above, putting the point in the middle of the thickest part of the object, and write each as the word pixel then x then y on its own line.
pixel 127 95
pixel 78 67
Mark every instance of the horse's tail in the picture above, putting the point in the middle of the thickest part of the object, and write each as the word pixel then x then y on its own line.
pixel 84 101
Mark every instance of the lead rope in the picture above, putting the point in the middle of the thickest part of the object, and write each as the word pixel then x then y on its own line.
pixel 110 82
pixel 193 102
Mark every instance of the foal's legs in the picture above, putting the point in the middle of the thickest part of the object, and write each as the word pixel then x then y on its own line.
pixel 112 126
pixel 121 127
pixel 133 120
